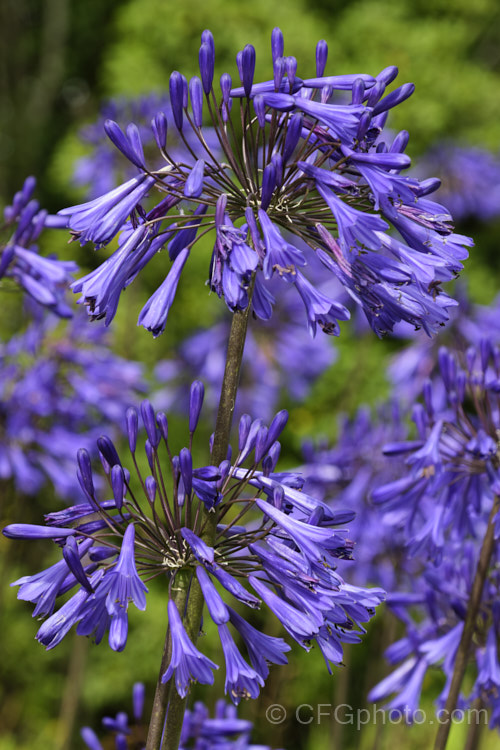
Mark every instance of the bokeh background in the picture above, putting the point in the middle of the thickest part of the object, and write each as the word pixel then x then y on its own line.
pixel 59 60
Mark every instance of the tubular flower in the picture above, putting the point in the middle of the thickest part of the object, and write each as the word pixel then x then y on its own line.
pixel 274 545
pixel 301 170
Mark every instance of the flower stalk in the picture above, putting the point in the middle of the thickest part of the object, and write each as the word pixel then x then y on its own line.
pixel 462 656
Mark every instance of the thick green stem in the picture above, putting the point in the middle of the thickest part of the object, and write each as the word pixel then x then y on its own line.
pixel 462 656
pixel 193 609
pixel 230 382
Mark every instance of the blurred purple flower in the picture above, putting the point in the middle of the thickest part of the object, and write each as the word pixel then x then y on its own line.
pixel 44 279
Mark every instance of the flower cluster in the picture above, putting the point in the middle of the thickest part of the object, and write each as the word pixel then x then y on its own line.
pixel 443 499
pixel 59 384
pixel 433 611
pixel 43 279
pixel 273 544
pixel 301 170
pixel 452 465
pixel 225 731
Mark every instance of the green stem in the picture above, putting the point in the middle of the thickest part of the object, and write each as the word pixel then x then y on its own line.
pixel 462 656
pixel 230 382
pixel 185 583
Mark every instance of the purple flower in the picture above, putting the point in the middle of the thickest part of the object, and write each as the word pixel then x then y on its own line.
pixel 320 310
pixel 124 585
pixel 101 219
pixel 262 649
pixel 241 680
pixel 43 279
pixel 450 475
pixel 289 545
pixel 187 663
pixel 327 170
pixel 154 314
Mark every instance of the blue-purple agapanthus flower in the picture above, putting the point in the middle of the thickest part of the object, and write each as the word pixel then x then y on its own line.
pixel 452 464
pixel 42 278
pixel 434 494
pixel 59 385
pixel 301 170
pixel 200 731
pixel 274 545
pixel 432 608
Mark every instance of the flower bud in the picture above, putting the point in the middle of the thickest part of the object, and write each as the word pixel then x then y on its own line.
pixel 159 126
pixel 195 403
pixel 132 426
pixel 247 68
pixel 207 64
pixel 321 57
pixel 194 183
pixel 148 417
pixel 176 89
pixel 196 94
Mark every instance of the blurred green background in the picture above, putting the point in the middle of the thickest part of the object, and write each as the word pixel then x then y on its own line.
pixel 58 61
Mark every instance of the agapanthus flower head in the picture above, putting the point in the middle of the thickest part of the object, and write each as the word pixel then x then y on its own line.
pixel 222 730
pixel 433 607
pixel 452 464
pixel 59 385
pixel 301 169
pixel 44 279
pixel 274 544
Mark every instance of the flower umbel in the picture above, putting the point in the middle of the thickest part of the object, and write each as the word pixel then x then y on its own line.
pixel 300 169
pixel 274 544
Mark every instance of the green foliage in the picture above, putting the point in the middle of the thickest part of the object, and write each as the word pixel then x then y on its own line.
pixel 456 94
pixel 155 37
